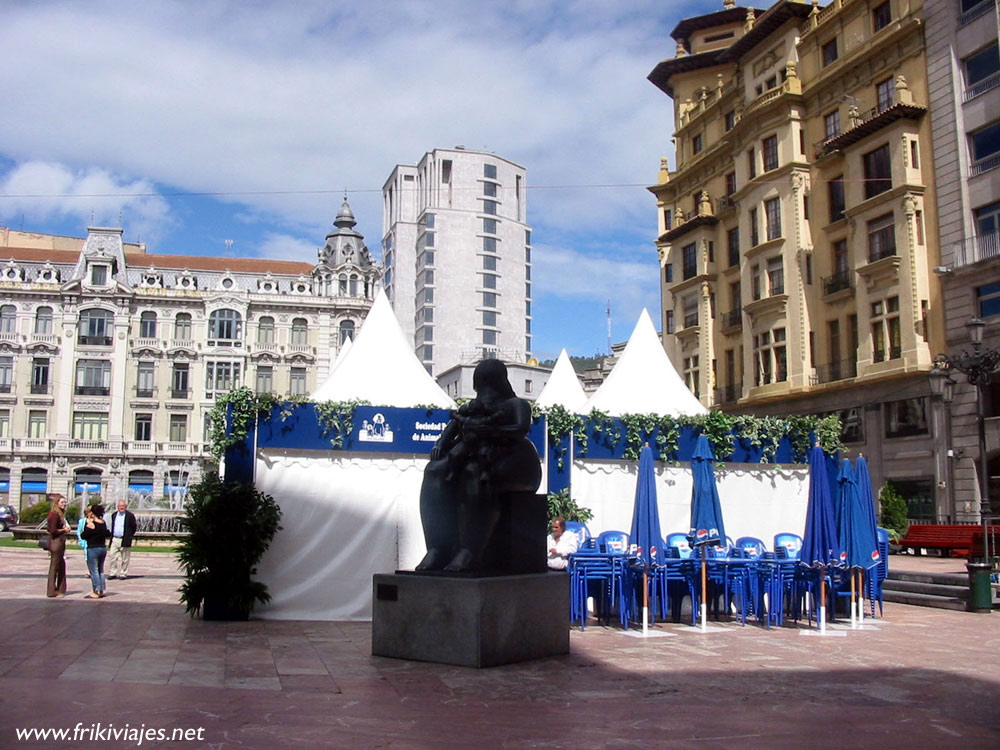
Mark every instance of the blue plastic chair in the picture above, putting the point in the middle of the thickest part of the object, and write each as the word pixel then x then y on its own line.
pixel 581 531
pixel 679 541
pixel 787 546
pixel 751 547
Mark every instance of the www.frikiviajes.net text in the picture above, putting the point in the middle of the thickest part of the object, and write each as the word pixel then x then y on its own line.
pixel 98 732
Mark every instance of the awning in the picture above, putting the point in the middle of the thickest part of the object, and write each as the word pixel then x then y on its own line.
pixel 34 486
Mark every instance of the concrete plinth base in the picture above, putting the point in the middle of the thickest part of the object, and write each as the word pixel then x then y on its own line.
pixel 471 622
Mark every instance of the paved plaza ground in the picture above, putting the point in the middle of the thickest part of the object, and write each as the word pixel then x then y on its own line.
pixel 924 678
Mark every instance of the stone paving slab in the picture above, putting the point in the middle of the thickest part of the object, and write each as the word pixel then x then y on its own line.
pixel 924 678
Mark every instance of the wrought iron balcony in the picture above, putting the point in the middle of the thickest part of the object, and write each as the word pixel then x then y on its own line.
pixel 974 249
pixel 845 368
pixel 732 319
pixel 94 340
pixel 842 279
pixel 728 394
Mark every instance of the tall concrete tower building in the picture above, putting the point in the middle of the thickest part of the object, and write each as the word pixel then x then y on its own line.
pixel 457 255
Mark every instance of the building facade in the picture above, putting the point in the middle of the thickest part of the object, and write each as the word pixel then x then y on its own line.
pixel 798 233
pixel 457 256
pixel 111 358
pixel 963 66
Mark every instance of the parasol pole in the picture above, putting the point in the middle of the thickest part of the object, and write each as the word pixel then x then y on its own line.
pixel 822 598
pixel 704 588
pixel 854 604
pixel 861 598
pixel 645 602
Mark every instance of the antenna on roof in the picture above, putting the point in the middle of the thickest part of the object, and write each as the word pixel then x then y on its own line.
pixel 229 246
pixel 609 326
pixel 121 219
pixel 345 195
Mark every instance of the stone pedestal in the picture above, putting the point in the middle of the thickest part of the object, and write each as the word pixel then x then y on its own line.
pixel 468 621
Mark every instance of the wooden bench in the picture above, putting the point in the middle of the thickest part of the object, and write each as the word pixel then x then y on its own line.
pixel 958 540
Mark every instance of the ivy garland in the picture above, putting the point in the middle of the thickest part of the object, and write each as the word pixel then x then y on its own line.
pixel 561 423
pixel 337 419
pixel 638 428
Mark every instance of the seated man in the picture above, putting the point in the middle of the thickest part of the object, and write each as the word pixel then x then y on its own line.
pixel 561 544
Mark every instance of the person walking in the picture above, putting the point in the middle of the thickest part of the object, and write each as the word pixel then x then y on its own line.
pixel 123 528
pixel 57 528
pixel 96 534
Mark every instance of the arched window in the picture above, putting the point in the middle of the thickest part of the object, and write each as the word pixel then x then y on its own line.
pixel 354 285
pixel 343 285
pixel 225 327
pixel 95 327
pixel 265 330
pixel 147 325
pixel 8 319
pixel 43 320
pixel 182 327
pixel 300 332
pixel 346 331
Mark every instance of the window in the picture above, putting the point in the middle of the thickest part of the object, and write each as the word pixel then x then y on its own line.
pixel 769 148
pixel 93 377
pixel 37 424
pixel 690 256
pixel 43 320
pixel 347 331
pixel 489 207
pixel 772 213
pixel 691 375
pixel 265 330
pixel 831 124
pixel 90 425
pixel 918 222
pixel 489 263
pixel 95 327
pixel 690 306
pixel 429 220
pixel 696 144
pixel 6 374
pixel 490 171
pixel 838 200
pixel 265 380
pixel 886 339
pixel 182 327
pixel 878 171
pixel 4 423
pixel 906 417
pixel 735 298
pixel 489 338
pixel 730 183
pixel 776 275
pixel 770 356
pixel 426 333
pixel 222 376
pixel 489 281
pixel 40 375
pixel 881 238
pixel 98 275
pixel 489 317
pixel 881 16
pixel 751 164
pixel 147 325
pixel 145 380
pixel 667 220
pixel 986 143
pixel 982 65
pixel 490 226
pixel 143 428
pixel 730 120
pixel 178 428
pixel 988 300
pixel 755 281
pixel 754 233
pixel 668 273
pixel 668 321
pixel 179 380
pixel 830 52
pixel 297 381
pixel 300 331
pixel 489 244
pixel 489 299
pixel 884 91
pixel 733 246
pixel 225 327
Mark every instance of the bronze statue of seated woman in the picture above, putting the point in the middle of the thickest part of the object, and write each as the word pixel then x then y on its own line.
pixel 482 455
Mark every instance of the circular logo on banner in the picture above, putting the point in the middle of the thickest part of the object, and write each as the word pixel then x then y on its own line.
pixel 702 534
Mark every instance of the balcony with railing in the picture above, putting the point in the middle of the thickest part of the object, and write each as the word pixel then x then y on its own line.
pixel 94 340
pixel 976 248
pixel 840 280
pixel 732 319
pixel 180 393
pixel 145 391
pixel 829 373
pixel 863 122
pixel 34 445
pixel 985 165
pixel 141 447
pixel 41 389
pixel 728 394
pixel 182 344
pixel 89 446
pixel 976 12
pixel 6 387
pixel 146 343
pixel 44 338
pixel 8 337
pixel 981 87
pixel 92 390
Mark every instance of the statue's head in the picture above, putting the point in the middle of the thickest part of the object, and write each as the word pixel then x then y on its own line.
pixel 491 375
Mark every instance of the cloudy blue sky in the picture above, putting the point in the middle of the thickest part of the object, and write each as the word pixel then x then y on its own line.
pixel 208 121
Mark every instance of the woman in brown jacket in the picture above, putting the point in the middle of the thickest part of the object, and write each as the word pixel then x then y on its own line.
pixel 58 528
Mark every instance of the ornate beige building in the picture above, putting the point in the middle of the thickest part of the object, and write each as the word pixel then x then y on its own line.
pixel 798 232
pixel 111 357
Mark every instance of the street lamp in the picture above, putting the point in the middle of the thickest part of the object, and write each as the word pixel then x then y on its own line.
pixel 978 366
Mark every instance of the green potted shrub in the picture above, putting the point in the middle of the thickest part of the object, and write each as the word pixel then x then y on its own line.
pixel 230 525
pixel 894 513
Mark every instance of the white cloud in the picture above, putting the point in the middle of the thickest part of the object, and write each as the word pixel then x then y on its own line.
pixel 286 247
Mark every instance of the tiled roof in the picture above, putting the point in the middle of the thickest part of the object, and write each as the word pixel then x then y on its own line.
pixel 147 260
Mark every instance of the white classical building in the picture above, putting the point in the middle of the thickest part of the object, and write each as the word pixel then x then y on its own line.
pixel 457 255
pixel 111 357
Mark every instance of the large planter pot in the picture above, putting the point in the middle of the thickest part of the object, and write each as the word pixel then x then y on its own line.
pixel 217 608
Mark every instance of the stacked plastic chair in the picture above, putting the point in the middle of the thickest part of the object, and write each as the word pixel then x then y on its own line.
pixel 600 569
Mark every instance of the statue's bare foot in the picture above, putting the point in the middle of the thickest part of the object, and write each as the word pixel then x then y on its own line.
pixel 431 560
pixel 460 562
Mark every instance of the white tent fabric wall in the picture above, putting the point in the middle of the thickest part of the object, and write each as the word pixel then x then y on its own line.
pixel 343 519
pixel 757 500
pixel 563 388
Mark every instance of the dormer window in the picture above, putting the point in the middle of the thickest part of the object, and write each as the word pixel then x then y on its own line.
pixel 187 281
pixel 48 274
pixel 99 275
pixel 12 272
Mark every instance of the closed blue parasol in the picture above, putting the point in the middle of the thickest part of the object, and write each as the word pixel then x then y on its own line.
pixel 846 494
pixel 706 513
pixel 867 495
pixel 645 539
pixel 819 541
pixel 856 531
pixel 706 510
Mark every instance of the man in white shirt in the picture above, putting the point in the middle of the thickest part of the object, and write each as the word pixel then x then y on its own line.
pixel 123 527
pixel 561 544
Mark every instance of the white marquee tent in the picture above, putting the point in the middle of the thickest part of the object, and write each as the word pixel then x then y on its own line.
pixel 563 388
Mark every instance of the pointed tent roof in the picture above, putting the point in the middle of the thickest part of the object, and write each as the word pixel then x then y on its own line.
pixel 563 388
pixel 381 367
pixel 319 393
pixel 644 380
